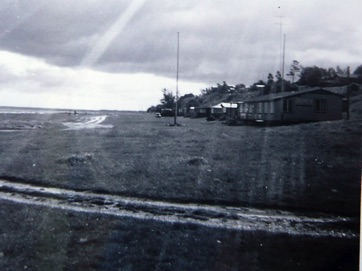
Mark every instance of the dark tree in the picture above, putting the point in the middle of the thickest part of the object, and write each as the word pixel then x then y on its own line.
pixel 312 76
pixel 151 109
pixel 294 70
pixel 331 72
pixel 269 84
pixel 157 108
pixel 186 96
pixel 192 103
pixel 358 70
pixel 339 70
pixel 224 88
pixel 240 88
pixel 168 100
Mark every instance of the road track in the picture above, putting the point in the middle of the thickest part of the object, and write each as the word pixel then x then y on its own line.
pixel 226 217
pixel 87 122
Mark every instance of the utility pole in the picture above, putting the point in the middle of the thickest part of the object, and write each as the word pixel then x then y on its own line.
pixel 348 92
pixel 283 64
pixel 281 41
pixel 177 68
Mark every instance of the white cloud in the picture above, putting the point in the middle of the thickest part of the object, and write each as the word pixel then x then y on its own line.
pixel 34 83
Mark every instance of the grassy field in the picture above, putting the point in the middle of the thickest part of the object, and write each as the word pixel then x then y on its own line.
pixel 313 168
pixel 308 167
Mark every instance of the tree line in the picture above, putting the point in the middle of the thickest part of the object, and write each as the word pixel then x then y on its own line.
pixel 298 75
pixel 312 76
pixel 169 99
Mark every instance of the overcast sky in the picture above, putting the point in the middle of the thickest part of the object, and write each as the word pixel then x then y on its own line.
pixel 120 54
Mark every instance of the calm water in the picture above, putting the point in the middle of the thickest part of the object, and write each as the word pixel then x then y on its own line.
pixel 29 110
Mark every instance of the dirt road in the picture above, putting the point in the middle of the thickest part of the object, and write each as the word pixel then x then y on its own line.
pixel 227 217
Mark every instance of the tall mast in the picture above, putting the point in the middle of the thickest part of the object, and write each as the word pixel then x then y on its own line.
pixel 281 42
pixel 283 64
pixel 348 98
pixel 177 67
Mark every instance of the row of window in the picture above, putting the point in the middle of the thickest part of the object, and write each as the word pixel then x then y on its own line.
pixel 265 107
pixel 320 105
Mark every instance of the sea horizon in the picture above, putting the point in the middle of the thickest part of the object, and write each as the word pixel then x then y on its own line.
pixel 44 110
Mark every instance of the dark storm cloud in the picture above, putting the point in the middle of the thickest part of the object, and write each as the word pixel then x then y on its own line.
pixel 236 41
pixel 210 43
pixel 63 32
pixel 59 31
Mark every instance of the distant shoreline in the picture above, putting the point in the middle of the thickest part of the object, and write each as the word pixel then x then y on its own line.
pixel 38 110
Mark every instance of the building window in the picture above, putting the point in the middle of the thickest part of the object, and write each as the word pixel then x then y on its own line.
pixel 320 105
pixel 251 108
pixel 271 108
pixel 287 106
pixel 242 108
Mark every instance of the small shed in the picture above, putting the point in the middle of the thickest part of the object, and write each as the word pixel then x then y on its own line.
pixel 217 110
pixel 223 109
pixel 202 111
pixel 189 112
pixel 229 109
pixel 315 104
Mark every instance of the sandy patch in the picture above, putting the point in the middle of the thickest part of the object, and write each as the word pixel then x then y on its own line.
pixel 94 122
pixel 17 125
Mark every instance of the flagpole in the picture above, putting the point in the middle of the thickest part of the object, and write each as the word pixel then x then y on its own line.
pixel 283 64
pixel 177 70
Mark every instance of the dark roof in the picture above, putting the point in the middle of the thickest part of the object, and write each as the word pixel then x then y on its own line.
pixel 346 76
pixel 277 96
pixel 219 105
pixel 205 106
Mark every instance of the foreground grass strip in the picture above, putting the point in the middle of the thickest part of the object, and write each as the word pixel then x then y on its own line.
pixel 206 215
